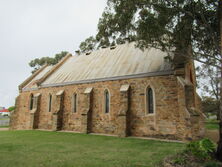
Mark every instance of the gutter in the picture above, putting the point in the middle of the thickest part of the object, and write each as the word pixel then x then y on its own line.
pixel 151 74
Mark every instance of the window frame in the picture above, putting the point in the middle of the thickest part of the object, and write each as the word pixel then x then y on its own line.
pixel 50 102
pixel 106 91
pixel 191 77
pixel 74 103
pixel 31 101
pixel 147 101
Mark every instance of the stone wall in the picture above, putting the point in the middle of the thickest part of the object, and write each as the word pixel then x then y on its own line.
pixel 169 120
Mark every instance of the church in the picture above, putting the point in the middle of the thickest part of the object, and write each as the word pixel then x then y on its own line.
pixel 121 90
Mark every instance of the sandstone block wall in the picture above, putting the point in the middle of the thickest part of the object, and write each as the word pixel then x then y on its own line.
pixel 169 120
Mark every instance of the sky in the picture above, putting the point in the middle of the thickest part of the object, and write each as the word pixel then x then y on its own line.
pixel 32 29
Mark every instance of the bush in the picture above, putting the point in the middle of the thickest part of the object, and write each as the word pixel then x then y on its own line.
pixel 180 160
pixel 202 149
pixel 212 164
pixel 11 108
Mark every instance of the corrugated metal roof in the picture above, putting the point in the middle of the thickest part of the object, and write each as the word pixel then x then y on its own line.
pixel 32 83
pixel 106 63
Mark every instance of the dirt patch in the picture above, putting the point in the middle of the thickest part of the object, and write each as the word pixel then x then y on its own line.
pixel 212 135
pixel 4 129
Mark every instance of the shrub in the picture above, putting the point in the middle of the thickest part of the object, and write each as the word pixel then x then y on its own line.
pixel 11 108
pixel 212 164
pixel 202 149
pixel 179 160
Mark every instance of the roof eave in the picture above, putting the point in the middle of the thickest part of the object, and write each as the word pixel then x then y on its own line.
pixel 23 84
pixel 151 74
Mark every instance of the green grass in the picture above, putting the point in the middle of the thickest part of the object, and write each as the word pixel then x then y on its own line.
pixel 4 126
pixel 212 125
pixel 56 149
pixel 4 118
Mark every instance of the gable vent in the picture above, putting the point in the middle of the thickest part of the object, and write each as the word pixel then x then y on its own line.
pixel 88 53
pixel 112 47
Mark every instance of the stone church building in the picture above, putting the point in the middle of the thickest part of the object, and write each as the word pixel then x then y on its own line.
pixel 120 90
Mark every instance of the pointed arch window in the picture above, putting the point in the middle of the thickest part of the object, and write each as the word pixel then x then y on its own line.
pixel 74 103
pixel 31 103
pixel 191 77
pixel 149 101
pixel 50 103
pixel 107 101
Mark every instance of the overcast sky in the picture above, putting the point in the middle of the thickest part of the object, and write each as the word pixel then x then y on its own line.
pixel 37 28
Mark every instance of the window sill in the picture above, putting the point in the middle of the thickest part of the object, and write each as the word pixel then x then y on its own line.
pixel 149 115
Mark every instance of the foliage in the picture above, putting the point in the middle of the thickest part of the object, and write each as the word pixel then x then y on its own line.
pixel 60 149
pixel 180 160
pixel 212 125
pixel 39 62
pixel 202 149
pixel 209 80
pixel 210 106
pixel 188 28
pixel 196 154
pixel 212 164
pixel 12 108
pixel 165 25
pixel 88 45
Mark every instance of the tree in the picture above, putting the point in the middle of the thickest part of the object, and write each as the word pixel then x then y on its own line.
pixel 209 80
pixel 209 84
pixel 169 25
pixel 12 108
pixel 39 62
pixel 88 45
pixel 210 105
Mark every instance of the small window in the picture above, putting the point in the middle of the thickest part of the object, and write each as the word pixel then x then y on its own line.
pixel 107 101
pixel 74 103
pixel 50 103
pixel 31 103
pixel 191 77
pixel 149 101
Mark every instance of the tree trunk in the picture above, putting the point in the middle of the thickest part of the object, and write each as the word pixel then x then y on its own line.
pixel 219 148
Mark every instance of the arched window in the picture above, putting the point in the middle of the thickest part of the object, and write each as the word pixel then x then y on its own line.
pixel 50 103
pixel 191 77
pixel 31 102
pixel 74 103
pixel 107 101
pixel 149 101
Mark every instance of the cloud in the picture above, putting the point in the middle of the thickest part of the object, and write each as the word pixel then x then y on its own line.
pixel 38 28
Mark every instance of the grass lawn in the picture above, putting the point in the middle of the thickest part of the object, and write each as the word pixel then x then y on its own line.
pixel 56 149
pixel 4 118
pixel 212 125
pixel 4 126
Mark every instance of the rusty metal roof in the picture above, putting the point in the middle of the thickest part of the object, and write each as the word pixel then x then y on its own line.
pixel 125 60
pixel 32 83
